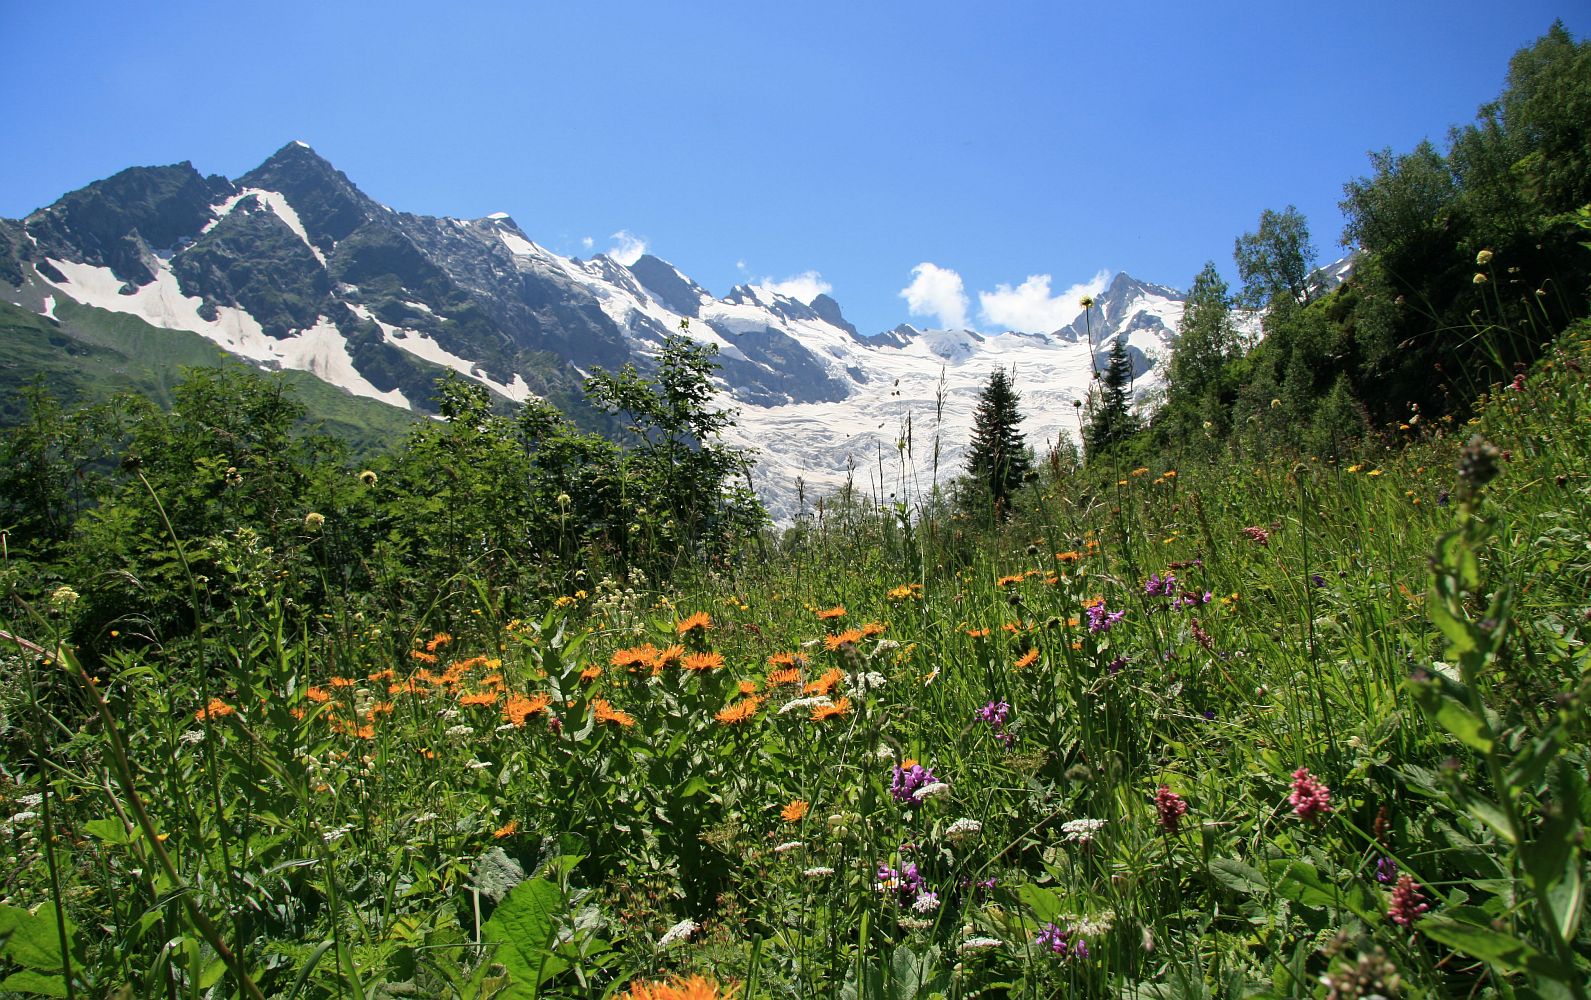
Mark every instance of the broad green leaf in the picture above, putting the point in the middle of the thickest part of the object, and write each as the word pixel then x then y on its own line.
pixel 1455 627
pixel 29 982
pixel 1239 876
pixel 1299 882
pixel 1554 863
pixel 1478 941
pixel 1045 903
pixel 1457 719
pixel 523 927
pixel 32 939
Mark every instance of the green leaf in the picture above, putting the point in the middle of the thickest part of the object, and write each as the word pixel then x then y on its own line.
pixel 1239 876
pixel 1299 882
pixel 1458 630
pixel 1457 719
pixel 1045 903
pixel 1554 863
pixel 523 927
pixel 1489 813
pixel 32 939
pixel 1480 942
pixel 37 983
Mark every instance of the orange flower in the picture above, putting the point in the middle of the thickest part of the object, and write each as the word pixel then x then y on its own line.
pixel 978 633
pixel 1006 581
pixel 747 687
pixel 378 709
pixel 605 712
pixel 906 592
pixel 1012 627
pixel 507 829
pixel 423 657
pixel 437 642
pixel 694 988
pixel 873 628
pixel 636 656
pixel 1067 557
pixel 478 698
pixel 672 654
pixel 215 710
pixel 789 675
pixel 793 812
pixel 787 659
pixel 341 682
pixel 833 711
pixel 1028 659
pixel 703 661
pixel 318 695
pixel 834 642
pixel 384 675
pixel 838 611
pixel 520 708
pixel 823 685
pixel 742 711
pixel 591 673
pixel 701 621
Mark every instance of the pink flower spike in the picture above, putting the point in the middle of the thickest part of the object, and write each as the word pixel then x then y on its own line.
pixel 1408 902
pixel 1171 808
pixel 1310 798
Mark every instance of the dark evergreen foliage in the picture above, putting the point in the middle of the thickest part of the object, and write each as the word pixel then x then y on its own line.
pixel 1112 420
pixel 998 458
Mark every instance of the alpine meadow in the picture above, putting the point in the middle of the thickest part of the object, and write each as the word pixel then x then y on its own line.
pixel 496 668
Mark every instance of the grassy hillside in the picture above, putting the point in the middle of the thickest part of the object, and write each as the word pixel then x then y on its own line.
pixel 89 354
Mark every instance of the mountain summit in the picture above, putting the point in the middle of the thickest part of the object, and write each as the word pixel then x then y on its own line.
pixel 292 266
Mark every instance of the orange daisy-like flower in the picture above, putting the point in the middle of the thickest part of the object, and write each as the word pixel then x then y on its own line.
pixel 1028 659
pixel 747 687
pixel 591 673
pixel 636 656
pixel 520 707
pixel 832 711
pixel 478 698
pixel 1067 556
pixel 384 675
pixel 905 592
pixel 507 829
pixel 827 614
pixel 741 711
pixel 823 685
pixel 1012 627
pixel 701 621
pixel 1007 581
pixel 605 712
pixel 789 675
pixel 215 710
pixel 873 628
pixel 1092 601
pixel 694 988
pixel 422 656
pixel 702 661
pixel 318 695
pixel 787 659
pixel 978 633
pixel 380 708
pixel 672 654
pixel 437 642
pixel 838 639
pixel 793 812
pixel 341 682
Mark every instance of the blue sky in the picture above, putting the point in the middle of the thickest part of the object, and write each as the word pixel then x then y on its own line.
pixel 929 162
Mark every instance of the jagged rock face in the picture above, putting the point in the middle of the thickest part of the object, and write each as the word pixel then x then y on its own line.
pixel 293 265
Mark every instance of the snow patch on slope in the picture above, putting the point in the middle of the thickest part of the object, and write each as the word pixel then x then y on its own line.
pixel 427 349
pixel 278 204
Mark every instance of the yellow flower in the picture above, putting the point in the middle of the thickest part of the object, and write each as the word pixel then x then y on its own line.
pixel 1483 258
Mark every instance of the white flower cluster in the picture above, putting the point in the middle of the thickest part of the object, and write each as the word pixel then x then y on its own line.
pixel 1081 831
pixel 679 932
pixel 973 944
pixel 788 846
pixel 804 704
pixel 820 871
pixel 963 831
pixel 865 681
pixel 933 790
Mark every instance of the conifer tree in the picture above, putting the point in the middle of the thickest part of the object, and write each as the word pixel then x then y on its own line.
pixel 1113 420
pixel 998 457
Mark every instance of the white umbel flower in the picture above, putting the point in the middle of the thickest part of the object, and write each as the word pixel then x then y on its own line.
pixel 679 932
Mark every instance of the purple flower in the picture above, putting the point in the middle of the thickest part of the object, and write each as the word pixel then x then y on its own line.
pixel 1386 871
pixel 908 780
pixel 1159 586
pixel 1317 579
pixel 1053 940
pixel 995 713
pixel 904 883
pixel 1114 666
pixel 1102 619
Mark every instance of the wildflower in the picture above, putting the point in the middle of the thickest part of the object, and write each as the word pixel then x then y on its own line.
pixel 63 597
pixel 1483 258
pixel 1027 659
pixel 590 673
pixel 679 932
pixel 1262 537
pixel 680 988
pixel 788 675
pixel 313 521
pixel 831 711
pixel 978 633
pixel 793 812
pixel 926 902
pixel 828 614
pixel 459 732
pixel 636 656
pixel 905 883
pixel 1102 620
pixel 214 710
pixel 1386 871
pixel 1158 586
pixel 742 711
pixel 1067 557
pixel 368 477
pixel 1408 902
pixel 932 790
pixel 789 845
pixel 825 684
pixel 1170 807
pixel 818 872
pixel 787 659
pixel 995 713
pixel 701 621
pixel 1007 581
pixel 1310 799
pixel 605 712
pixel 963 831
pixel 1372 975
pixel 803 704
pixel 507 829
pixel 1081 831
pixel 520 707
pixel 871 629
pixel 849 637
pixel 478 698
pixel 702 661
pixel 906 592
pixel 975 944
pixel 1200 635
pixel 1479 279
pixel 908 779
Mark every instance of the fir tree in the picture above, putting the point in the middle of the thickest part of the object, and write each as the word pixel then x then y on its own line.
pixel 998 458
pixel 1113 419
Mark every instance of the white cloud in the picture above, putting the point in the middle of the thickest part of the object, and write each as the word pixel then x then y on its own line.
pixel 627 247
pixel 1030 308
pixel 803 287
pixel 937 291
pixel 587 242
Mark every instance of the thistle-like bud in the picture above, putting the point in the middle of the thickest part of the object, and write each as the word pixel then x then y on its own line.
pixel 1477 463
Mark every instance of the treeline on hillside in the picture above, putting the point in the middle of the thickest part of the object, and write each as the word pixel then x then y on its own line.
pixel 1465 264
pixel 154 519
